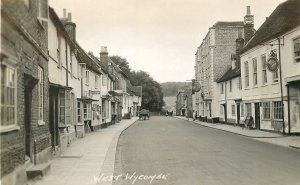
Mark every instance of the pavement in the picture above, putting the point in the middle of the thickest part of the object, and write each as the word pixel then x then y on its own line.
pixel 269 137
pixel 86 158
pixel 170 151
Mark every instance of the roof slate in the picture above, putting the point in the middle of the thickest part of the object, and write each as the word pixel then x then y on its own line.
pixel 283 19
pixel 85 58
pixel 230 74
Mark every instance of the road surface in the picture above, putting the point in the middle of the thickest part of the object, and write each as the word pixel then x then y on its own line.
pixel 165 150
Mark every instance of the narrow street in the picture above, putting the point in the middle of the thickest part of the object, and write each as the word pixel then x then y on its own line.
pixel 186 154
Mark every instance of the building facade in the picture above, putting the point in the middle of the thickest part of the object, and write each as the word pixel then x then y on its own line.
pixel 24 106
pixel 270 71
pixel 212 61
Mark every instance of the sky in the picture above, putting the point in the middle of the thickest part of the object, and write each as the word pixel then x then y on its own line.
pixel 157 36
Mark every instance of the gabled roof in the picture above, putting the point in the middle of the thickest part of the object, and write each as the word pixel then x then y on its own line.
pixel 59 25
pixel 83 57
pixel 283 19
pixel 230 74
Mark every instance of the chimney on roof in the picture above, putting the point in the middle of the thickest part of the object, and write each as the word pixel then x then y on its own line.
pixel 248 25
pixel 104 59
pixel 64 13
pixel 233 61
pixel 69 25
pixel 70 17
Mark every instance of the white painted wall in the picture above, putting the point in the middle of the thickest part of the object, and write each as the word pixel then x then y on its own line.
pixel 270 91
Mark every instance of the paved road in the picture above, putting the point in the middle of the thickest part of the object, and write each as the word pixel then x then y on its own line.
pixel 189 154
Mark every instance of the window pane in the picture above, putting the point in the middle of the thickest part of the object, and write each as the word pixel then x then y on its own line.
pixel 3 74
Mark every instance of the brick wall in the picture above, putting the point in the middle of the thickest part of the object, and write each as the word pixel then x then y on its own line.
pixel 24 38
pixel 225 46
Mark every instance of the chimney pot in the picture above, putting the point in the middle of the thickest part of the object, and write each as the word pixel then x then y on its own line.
pixel 70 16
pixel 104 49
pixel 248 10
pixel 64 13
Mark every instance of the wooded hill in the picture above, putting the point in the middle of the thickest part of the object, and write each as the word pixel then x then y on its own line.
pixel 171 88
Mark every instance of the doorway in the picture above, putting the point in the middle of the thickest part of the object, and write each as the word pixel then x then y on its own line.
pixel 53 117
pixel 257 116
pixel 225 112
pixel 238 113
pixel 29 84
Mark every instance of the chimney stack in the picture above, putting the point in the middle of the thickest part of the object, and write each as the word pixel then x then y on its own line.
pixel 104 59
pixel 69 25
pixel 65 13
pixel 70 17
pixel 248 10
pixel 248 25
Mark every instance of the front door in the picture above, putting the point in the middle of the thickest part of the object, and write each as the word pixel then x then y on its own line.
pixel 238 113
pixel 53 117
pixel 28 133
pixel 225 112
pixel 257 116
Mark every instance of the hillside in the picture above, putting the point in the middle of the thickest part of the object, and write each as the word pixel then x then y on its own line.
pixel 170 88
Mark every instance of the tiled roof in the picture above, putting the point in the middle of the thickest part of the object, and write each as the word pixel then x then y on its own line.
pixel 230 74
pixel 283 19
pixel 83 57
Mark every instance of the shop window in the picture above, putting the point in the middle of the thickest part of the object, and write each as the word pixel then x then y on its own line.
pixel 79 117
pixel 233 109
pixel 277 110
pixel 242 110
pixel 87 111
pixel 248 109
pixel 62 106
pixel 266 110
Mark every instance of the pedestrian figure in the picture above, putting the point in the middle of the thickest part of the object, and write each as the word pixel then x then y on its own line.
pixel 194 115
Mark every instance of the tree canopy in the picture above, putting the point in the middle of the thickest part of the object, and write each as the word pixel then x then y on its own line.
pixel 152 96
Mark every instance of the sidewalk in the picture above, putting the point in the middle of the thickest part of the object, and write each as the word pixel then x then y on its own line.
pixel 274 138
pixel 86 158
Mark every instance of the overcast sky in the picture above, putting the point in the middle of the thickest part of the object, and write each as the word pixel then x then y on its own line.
pixel 157 36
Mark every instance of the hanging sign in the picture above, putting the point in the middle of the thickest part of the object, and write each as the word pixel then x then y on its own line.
pixel 272 63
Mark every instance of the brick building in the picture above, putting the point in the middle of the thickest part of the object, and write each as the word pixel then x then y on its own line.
pixel 24 88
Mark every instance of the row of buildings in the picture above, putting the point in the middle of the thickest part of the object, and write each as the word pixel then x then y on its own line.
pixel 243 74
pixel 52 90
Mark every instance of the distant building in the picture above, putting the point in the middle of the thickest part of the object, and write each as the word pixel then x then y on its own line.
pixel 184 102
pixel 180 103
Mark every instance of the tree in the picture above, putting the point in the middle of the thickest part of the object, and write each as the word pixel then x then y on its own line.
pixel 152 97
pixel 122 63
